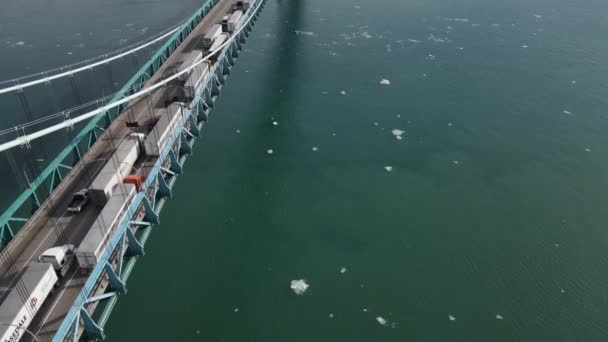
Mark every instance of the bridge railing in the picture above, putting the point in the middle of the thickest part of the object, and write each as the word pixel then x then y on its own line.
pixel 30 200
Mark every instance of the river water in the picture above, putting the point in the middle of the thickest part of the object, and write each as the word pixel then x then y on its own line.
pixel 485 221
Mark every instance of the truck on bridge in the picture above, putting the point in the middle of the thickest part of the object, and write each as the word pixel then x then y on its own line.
pixel 34 287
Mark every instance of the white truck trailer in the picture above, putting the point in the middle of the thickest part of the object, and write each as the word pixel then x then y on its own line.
pixel 163 130
pixel 116 169
pixel 191 58
pixel 234 20
pixel 94 243
pixel 196 79
pixel 33 288
pixel 213 32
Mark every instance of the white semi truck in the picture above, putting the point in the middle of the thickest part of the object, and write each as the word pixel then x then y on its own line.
pixel 31 291
pixel 163 130
pixel 94 243
pixel 118 166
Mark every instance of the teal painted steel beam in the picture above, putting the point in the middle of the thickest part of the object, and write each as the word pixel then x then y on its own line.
pixel 91 328
pixel 115 281
pixel 101 297
pixel 163 188
pixel 135 248
pixel 151 215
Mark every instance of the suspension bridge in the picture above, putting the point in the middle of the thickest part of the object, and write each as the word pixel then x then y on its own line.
pixel 65 259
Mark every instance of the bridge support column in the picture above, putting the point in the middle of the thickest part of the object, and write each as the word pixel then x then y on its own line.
pixel 193 127
pixel 116 283
pixel 163 187
pixel 91 328
pixel 151 215
pixel 175 165
pixel 185 147
pixel 135 247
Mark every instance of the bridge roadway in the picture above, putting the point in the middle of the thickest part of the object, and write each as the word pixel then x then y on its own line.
pixel 52 225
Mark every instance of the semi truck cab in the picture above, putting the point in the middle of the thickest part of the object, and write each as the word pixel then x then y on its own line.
pixel 60 257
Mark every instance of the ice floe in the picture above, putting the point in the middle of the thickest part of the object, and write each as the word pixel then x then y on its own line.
pixel 299 286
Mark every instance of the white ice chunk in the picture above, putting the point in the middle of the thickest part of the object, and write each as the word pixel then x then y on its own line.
pixel 274 123
pixel 567 112
pixel 315 148
pixel 270 151
pixel 452 318
pixel 343 270
pixel 343 92
pixel 388 168
pixel 498 317
pixel 384 81
pixel 397 133
pixel 331 315
pixel 381 320
pixel 299 286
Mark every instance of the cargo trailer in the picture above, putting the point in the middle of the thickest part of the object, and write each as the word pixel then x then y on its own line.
pixel 94 243
pixel 34 287
pixel 116 168
pixel 164 129
pixel 213 32
pixel 233 22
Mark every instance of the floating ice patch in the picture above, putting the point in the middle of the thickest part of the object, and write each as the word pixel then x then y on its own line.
pixel 567 112
pixel 538 16
pixel 381 320
pixel 436 39
pixel 498 317
pixel 315 148
pixel 462 20
pixel 357 7
pixel 375 124
pixel 562 291
pixel 587 150
pixel 398 115
pixel 452 318
pixel 303 33
pixel 19 43
pixel 431 57
pixel 69 52
pixel 449 124
pixel 333 134
pixel 366 34
pixel 573 82
pixel 397 133
pixel 413 41
pixel 343 92
pixel 384 81
pixel 299 286
pixel 460 48
pixel 238 131
pixel 456 162
pixel 274 123
pixel 343 270
pixel 270 151
pixel 236 309
pixel 364 309
pixel 389 169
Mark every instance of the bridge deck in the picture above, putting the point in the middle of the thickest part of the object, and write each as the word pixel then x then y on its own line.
pixel 52 225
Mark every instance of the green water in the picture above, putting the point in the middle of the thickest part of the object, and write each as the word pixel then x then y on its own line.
pixel 493 212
